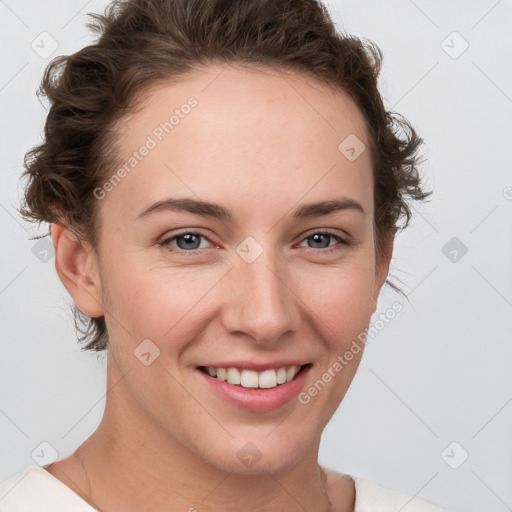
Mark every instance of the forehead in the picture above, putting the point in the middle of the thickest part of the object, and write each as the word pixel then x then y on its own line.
pixel 227 132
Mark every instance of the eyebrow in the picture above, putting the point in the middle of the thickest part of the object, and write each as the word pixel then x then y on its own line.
pixel 208 209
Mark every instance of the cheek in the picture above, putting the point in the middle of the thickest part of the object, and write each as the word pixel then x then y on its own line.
pixel 340 307
pixel 341 298
pixel 159 303
pixel 163 303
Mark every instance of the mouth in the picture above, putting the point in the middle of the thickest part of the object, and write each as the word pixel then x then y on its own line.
pixel 251 379
pixel 256 391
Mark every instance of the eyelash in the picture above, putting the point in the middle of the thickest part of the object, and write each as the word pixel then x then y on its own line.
pixel 166 243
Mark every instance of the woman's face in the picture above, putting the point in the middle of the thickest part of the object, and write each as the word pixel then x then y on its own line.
pixel 263 287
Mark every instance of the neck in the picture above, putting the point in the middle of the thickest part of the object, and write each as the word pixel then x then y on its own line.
pixel 131 463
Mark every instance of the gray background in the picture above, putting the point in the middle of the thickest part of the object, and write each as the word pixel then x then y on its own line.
pixel 438 373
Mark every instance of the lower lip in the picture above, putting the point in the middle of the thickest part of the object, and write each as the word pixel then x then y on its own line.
pixel 256 399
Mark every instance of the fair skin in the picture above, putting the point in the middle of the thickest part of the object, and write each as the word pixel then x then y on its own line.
pixel 261 144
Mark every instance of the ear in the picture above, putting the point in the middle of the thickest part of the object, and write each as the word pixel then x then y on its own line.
pixel 77 266
pixel 382 267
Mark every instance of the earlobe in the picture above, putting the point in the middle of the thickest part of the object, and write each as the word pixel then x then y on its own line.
pixel 77 267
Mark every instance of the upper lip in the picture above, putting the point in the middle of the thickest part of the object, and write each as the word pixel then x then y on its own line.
pixel 256 366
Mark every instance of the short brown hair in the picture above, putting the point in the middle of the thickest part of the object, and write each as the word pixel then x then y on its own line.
pixel 142 42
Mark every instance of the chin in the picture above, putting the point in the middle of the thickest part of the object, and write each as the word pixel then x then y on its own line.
pixel 256 456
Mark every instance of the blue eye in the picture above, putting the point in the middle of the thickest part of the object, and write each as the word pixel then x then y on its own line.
pixel 190 242
pixel 326 236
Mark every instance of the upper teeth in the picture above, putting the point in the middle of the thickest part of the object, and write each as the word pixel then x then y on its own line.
pixel 252 379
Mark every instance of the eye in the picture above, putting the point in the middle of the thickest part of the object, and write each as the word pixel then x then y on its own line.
pixel 190 242
pixel 320 237
pixel 186 242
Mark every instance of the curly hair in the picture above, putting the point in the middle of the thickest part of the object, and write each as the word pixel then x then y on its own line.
pixel 143 42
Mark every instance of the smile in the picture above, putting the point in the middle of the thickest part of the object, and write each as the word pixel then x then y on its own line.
pixel 266 379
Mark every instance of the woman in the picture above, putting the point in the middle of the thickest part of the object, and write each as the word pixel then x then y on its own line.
pixel 223 186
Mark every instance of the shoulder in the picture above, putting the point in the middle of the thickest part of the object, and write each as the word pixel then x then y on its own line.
pixel 36 490
pixel 371 497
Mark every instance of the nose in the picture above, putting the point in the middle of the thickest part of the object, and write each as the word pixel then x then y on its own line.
pixel 261 302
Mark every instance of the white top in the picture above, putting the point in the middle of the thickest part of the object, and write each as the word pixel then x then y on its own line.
pixel 37 490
